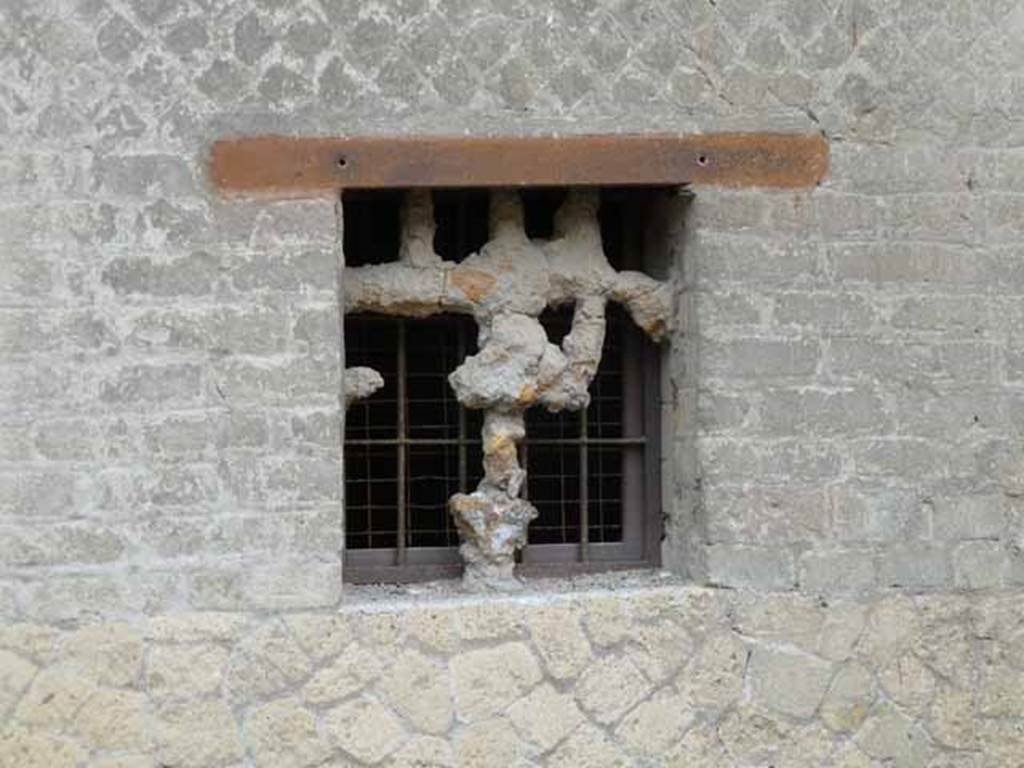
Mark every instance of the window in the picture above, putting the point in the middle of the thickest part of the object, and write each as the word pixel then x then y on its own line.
pixel 592 475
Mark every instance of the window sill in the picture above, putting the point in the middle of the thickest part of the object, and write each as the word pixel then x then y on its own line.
pixel 451 592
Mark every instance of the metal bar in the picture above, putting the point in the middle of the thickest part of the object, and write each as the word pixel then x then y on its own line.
pixel 610 441
pixel 290 167
pixel 584 489
pixel 462 441
pixel 403 404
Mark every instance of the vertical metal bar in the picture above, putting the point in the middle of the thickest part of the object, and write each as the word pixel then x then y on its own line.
pixel 584 489
pixel 402 446
pixel 463 459
pixel 460 241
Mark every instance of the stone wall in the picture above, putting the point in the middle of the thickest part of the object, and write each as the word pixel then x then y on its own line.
pixel 845 408
pixel 635 675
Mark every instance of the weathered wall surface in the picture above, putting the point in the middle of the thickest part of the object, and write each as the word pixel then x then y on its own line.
pixel 649 676
pixel 848 397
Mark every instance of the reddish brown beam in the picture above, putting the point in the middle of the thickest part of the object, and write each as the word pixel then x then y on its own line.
pixel 281 166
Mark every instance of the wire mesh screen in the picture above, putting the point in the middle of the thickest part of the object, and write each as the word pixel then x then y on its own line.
pixel 410 446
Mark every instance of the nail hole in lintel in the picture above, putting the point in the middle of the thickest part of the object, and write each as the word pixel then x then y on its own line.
pixel 702 161
pixel 342 161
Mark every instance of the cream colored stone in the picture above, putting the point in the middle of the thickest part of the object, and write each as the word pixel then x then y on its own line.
pixel 713 678
pixel 655 725
pixel 848 699
pixel 266 662
pixel 34 641
pixel 787 682
pixel 322 636
pixel 945 642
pixel 545 716
pixel 197 734
pixel 491 620
pixel 788 618
pixel 489 679
pixel 1002 742
pixel 424 752
pixel 185 671
pixel 377 630
pixel 610 687
pixel 908 682
pixel 891 627
pixel 124 761
pixel 110 654
pixel 351 671
pixel 419 690
pixel 490 743
pixel 891 736
pixel 206 627
pixel 15 676
pixel 699 748
pixel 752 737
pixel 952 721
pixel 283 734
pixel 1001 693
pixel 364 729
pixel 434 628
pixel 848 755
pixel 114 720
pixel 20 748
pixel 807 744
pixel 842 627
pixel 54 697
pixel 588 747
pixel 557 636
pixel 660 649
pixel 606 620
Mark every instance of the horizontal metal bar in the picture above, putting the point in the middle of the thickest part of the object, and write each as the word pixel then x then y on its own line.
pixel 284 166
pixel 470 441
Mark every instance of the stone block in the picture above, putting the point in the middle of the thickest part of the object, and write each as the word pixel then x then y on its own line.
pixel 655 725
pixel 559 640
pixel 790 683
pixel 185 671
pixel 353 669
pixel 283 734
pixel 266 662
pixel 419 690
pixel 915 565
pixel 115 721
pixel 364 729
pixel 610 687
pixel 982 565
pixel 849 698
pixel 489 679
pixel 197 734
pixel 836 570
pixel 544 716
pixel 754 567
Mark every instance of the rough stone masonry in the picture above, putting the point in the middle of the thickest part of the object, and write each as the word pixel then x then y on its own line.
pixel 844 404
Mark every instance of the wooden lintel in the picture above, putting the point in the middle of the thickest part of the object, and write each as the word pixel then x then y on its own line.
pixel 290 167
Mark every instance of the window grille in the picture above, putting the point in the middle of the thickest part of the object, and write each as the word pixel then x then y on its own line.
pixel 593 475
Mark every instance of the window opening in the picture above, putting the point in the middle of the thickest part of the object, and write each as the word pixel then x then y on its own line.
pixel 410 446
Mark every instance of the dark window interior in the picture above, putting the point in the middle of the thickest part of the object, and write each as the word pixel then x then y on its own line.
pixel 410 446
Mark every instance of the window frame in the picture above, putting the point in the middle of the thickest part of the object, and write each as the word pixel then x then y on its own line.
pixel 642 518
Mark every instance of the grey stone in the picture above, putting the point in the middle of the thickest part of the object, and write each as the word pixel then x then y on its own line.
pixel 790 683
pixel 746 566
pixel 117 39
